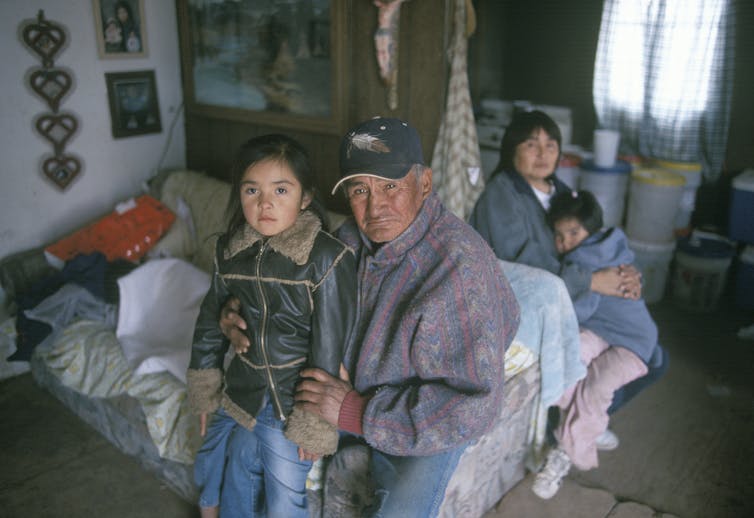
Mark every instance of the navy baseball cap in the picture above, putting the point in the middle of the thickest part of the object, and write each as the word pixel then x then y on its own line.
pixel 380 147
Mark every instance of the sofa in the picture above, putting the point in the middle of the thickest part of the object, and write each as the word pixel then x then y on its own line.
pixel 144 412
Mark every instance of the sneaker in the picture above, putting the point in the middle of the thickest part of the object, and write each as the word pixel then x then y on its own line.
pixel 607 441
pixel 547 482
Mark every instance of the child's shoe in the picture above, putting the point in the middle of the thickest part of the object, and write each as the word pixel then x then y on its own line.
pixel 607 441
pixel 548 480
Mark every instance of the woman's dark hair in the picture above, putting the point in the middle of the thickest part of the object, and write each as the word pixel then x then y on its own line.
pixel 271 147
pixel 519 130
pixel 581 206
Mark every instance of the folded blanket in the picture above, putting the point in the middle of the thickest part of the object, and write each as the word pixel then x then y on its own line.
pixel 548 327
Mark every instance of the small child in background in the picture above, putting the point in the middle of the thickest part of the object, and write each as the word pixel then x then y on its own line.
pixel 297 290
pixel 618 337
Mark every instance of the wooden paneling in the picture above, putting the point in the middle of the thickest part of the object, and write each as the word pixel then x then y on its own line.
pixel 422 78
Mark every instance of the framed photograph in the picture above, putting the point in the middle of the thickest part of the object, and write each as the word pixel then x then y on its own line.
pixel 278 63
pixel 134 109
pixel 120 28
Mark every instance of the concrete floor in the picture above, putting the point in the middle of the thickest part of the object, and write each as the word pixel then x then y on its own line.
pixel 687 445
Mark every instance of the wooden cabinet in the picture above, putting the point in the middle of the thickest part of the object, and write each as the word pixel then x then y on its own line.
pixel 226 46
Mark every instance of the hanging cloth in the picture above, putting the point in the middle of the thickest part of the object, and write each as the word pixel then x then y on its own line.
pixel 456 161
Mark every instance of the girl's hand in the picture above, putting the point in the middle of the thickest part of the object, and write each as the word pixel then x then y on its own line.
pixel 305 455
pixel 233 326
pixel 202 424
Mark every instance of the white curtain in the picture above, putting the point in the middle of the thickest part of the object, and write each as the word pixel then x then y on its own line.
pixel 663 77
pixel 456 162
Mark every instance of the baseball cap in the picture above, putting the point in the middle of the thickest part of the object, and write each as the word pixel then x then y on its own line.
pixel 381 147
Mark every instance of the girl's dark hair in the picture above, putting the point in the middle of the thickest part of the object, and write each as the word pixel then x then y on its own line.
pixel 581 206
pixel 519 130
pixel 271 147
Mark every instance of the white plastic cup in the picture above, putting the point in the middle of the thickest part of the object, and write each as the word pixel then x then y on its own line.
pixel 605 147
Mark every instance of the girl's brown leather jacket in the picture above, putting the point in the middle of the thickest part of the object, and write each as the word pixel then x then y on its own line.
pixel 298 298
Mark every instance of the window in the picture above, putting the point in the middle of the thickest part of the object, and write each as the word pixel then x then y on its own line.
pixel 663 77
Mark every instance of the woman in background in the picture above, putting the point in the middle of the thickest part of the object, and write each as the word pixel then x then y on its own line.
pixel 511 216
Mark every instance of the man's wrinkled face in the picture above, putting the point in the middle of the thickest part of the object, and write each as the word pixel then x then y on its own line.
pixel 384 209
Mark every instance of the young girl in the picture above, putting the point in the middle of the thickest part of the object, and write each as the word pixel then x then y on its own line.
pixel 618 337
pixel 296 285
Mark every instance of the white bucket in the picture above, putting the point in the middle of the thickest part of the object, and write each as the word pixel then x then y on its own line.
pixel 653 261
pixel 692 172
pixel 701 268
pixel 568 170
pixel 653 200
pixel 609 187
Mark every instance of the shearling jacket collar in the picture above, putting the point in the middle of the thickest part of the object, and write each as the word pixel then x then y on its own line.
pixel 295 243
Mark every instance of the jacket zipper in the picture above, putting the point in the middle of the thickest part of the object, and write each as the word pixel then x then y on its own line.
pixel 263 335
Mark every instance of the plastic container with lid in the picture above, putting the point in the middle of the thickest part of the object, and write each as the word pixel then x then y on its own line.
pixel 741 221
pixel 702 261
pixel 568 170
pixel 636 161
pixel 692 172
pixel 745 278
pixel 608 184
pixel 654 197
pixel 653 261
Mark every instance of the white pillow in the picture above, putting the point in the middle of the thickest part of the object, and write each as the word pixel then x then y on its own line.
pixel 180 240
pixel 159 303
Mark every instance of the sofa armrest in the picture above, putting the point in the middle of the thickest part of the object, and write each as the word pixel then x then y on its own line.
pixel 19 271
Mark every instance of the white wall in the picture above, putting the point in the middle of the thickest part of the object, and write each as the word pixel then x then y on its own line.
pixel 33 210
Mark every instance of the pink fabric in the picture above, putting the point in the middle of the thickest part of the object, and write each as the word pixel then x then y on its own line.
pixel 583 415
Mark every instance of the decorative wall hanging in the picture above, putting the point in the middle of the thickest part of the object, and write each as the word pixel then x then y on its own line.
pixel 52 84
pixel 271 63
pixel 134 109
pixel 120 28
pixel 386 46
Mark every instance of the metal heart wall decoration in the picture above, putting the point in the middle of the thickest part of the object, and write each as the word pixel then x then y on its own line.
pixel 58 129
pixel 44 38
pixel 51 84
pixel 61 169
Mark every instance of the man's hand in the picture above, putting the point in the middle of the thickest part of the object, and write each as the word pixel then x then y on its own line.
pixel 322 394
pixel 305 455
pixel 233 326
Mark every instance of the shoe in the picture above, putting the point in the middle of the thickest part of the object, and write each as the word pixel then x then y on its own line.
pixel 547 482
pixel 607 441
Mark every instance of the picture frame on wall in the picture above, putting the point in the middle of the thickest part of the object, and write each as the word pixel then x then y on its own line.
pixel 134 107
pixel 120 27
pixel 272 63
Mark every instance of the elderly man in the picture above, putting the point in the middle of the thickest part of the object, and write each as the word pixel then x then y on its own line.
pixel 435 315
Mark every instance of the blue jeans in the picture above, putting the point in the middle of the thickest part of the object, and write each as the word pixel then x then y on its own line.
pixel 411 486
pixel 209 464
pixel 263 476
pixel 658 364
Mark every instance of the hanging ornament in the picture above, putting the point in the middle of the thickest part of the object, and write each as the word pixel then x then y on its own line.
pixel 386 46
pixel 46 39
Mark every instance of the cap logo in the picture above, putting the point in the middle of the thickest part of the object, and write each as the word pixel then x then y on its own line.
pixel 367 142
